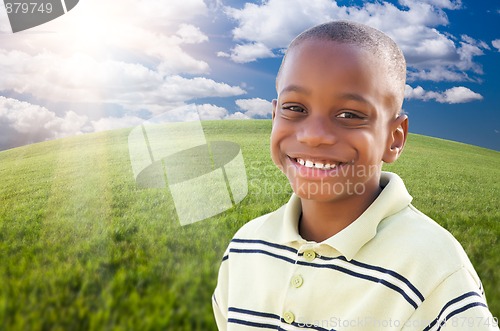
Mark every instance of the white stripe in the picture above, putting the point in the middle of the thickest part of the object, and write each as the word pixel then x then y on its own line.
pixel 64 6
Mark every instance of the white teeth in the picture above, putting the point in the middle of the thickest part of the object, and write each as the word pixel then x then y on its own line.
pixel 317 165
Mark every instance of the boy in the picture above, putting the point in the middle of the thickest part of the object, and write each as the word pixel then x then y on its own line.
pixel 348 251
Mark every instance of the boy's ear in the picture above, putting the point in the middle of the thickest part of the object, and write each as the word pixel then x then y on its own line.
pixel 397 138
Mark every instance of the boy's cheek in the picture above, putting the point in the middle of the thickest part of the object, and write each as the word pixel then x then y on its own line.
pixel 276 155
pixel 275 103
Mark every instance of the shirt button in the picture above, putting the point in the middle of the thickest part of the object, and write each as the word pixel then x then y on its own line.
pixel 297 281
pixel 289 317
pixel 309 255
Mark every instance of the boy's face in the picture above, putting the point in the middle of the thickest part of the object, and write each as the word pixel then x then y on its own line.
pixel 335 121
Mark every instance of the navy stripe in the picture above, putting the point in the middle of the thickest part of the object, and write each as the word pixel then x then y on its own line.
pixel 225 257
pixel 458 311
pixel 237 250
pixel 451 302
pixel 386 271
pixel 257 325
pixel 253 312
pixel 256 241
pixel 366 277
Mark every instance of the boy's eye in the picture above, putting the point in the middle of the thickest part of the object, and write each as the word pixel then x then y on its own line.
pixel 294 108
pixel 348 114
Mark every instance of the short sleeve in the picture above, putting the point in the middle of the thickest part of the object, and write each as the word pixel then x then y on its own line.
pixel 457 303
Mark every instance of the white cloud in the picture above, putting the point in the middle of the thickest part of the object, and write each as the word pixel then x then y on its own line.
pixel 177 88
pixel 250 52
pixel 255 108
pixel 81 78
pixel 191 34
pixel 271 22
pixel 28 123
pixel 160 13
pixel 496 44
pixel 112 123
pixel 178 113
pixel 238 116
pixel 223 54
pixel 458 94
pixel 448 4
pixel 4 21
pixel 467 52
pixel 415 93
pixel 438 74
pixel 211 112
pixel 472 41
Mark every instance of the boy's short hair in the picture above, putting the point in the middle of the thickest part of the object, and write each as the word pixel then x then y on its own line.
pixel 368 38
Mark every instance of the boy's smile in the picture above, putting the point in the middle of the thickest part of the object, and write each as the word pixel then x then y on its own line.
pixel 316 168
pixel 334 122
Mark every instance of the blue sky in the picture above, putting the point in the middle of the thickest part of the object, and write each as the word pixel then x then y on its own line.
pixel 107 64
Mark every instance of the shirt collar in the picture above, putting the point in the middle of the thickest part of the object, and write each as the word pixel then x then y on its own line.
pixel 393 198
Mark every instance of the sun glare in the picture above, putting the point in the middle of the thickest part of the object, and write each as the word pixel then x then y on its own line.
pixel 91 32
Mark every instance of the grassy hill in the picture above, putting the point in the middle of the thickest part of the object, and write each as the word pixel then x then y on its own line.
pixel 81 248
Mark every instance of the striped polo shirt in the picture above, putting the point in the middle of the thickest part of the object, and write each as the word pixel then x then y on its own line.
pixel 393 268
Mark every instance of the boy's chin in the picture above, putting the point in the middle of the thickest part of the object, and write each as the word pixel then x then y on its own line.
pixel 325 195
pixel 314 197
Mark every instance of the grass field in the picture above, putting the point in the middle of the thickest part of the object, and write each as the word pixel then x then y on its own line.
pixel 81 248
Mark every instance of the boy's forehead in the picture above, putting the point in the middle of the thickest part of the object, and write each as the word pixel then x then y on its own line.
pixel 325 56
pixel 336 51
pixel 357 64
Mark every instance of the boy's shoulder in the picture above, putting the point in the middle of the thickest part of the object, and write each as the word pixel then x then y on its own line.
pixel 415 240
pixel 417 231
pixel 262 226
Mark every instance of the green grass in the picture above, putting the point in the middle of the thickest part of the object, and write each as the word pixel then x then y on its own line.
pixel 81 248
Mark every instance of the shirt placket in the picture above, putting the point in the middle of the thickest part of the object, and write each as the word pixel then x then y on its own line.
pixel 300 284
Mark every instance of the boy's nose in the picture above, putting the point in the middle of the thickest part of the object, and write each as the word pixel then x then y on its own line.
pixel 316 131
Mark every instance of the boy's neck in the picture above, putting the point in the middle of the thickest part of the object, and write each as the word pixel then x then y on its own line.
pixel 321 220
